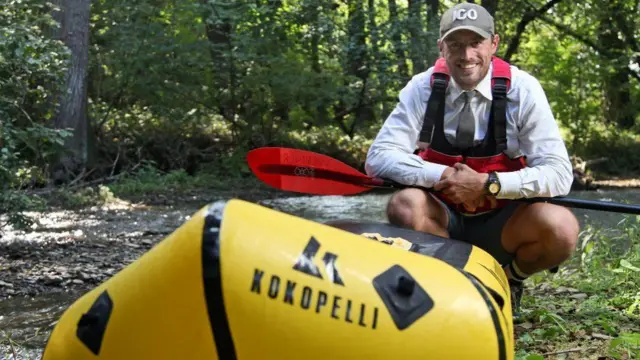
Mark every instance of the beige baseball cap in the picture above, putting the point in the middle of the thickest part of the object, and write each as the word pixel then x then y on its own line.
pixel 467 16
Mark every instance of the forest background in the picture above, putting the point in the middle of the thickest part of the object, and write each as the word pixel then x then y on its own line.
pixel 95 91
pixel 160 100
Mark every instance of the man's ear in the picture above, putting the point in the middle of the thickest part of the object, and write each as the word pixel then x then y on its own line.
pixel 494 43
pixel 440 46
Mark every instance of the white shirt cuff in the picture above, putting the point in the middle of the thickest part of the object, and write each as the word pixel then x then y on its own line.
pixel 510 185
pixel 432 174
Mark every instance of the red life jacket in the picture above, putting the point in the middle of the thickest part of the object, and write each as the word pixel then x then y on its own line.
pixel 484 157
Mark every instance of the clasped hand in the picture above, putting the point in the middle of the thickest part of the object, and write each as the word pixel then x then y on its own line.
pixel 463 185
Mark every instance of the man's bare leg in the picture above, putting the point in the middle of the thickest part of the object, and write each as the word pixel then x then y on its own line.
pixel 417 210
pixel 541 236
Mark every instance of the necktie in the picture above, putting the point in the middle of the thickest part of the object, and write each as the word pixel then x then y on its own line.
pixel 467 125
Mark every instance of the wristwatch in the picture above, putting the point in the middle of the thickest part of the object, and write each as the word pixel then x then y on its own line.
pixel 492 186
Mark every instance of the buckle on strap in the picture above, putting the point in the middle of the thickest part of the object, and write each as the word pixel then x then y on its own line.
pixel 500 89
pixel 439 84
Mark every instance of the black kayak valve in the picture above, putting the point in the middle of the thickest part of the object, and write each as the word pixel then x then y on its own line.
pixel 405 285
pixel 402 295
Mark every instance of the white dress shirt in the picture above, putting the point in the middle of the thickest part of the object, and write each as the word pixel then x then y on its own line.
pixel 531 131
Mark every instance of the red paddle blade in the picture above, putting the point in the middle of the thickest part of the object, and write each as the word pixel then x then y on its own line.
pixel 306 172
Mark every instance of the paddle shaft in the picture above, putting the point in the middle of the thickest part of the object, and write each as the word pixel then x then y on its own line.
pixel 558 200
pixel 311 173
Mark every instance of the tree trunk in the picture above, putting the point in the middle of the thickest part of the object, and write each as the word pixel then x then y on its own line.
pixel 72 112
pixel 396 39
pixel 278 37
pixel 321 108
pixel 357 64
pixel 218 28
pixel 491 6
pixel 616 81
pixel 416 52
pixel 433 32
pixel 373 30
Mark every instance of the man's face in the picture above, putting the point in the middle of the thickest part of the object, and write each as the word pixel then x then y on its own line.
pixel 468 56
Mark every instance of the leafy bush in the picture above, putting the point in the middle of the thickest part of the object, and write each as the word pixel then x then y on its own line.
pixel 620 148
pixel 32 69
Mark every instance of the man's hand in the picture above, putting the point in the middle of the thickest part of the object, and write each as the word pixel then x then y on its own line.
pixel 447 172
pixel 480 202
pixel 464 185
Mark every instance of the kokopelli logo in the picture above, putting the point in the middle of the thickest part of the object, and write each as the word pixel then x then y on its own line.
pixel 305 263
pixel 463 14
pixel 303 171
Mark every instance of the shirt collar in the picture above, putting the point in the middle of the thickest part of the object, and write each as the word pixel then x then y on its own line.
pixel 484 87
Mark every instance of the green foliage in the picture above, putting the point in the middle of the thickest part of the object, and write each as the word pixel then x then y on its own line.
pixel 32 69
pixel 150 180
pixel 333 142
pixel 620 148
pixel 573 75
pixel 626 346
pixel 605 271
pixel 568 71
pixel 193 85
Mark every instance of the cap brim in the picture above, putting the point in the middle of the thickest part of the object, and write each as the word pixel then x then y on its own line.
pixel 475 29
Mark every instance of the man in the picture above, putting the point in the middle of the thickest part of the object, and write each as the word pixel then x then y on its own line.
pixel 479 145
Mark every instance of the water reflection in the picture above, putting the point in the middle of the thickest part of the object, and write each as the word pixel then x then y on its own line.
pixel 25 323
pixel 372 207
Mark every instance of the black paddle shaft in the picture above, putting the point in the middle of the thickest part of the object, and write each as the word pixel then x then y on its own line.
pixel 588 204
pixel 558 200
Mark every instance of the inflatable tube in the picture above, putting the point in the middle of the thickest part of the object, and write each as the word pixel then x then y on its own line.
pixel 241 281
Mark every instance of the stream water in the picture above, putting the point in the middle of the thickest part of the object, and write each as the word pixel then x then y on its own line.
pixel 25 323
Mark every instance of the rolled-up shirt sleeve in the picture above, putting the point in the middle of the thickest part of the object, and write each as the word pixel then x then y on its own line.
pixel 549 172
pixel 391 154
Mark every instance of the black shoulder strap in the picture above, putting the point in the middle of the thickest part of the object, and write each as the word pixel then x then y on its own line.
pixel 434 105
pixel 499 104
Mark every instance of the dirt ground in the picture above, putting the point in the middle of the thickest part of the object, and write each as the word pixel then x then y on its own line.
pixel 68 251
pixel 73 251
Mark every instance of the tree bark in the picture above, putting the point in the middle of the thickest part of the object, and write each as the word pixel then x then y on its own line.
pixel 433 32
pixel 491 6
pixel 396 39
pixel 219 29
pixel 617 95
pixel 373 30
pixel 322 112
pixel 72 112
pixel 357 64
pixel 416 52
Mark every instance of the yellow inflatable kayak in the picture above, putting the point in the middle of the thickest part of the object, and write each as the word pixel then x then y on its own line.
pixel 241 281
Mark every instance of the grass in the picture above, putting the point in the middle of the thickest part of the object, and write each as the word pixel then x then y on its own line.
pixel 591 308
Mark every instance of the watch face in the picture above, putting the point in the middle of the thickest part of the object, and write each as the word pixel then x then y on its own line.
pixel 494 188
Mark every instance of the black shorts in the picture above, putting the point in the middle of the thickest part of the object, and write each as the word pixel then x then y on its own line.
pixel 483 231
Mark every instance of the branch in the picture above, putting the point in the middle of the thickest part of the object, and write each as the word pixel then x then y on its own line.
pixel 592 44
pixel 567 30
pixel 528 17
pixel 624 27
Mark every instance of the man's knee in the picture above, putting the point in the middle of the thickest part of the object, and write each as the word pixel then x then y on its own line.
pixel 554 230
pixel 564 230
pixel 559 228
pixel 406 207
